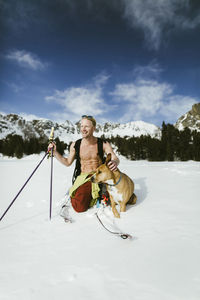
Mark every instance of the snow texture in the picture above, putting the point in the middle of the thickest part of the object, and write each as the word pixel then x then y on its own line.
pixel 42 259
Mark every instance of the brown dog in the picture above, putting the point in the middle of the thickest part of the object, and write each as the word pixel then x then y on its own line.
pixel 119 186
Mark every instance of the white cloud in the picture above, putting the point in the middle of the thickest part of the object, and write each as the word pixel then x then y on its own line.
pixel 149 99
pixel 100 80
pixel 27 117
pixel 77 101
pixel 158 17
pixel 2 113
pixel 26 59
pixel 152 70
pixel 176 106
pixel 143 98
pixel 30 117
pixel 15 87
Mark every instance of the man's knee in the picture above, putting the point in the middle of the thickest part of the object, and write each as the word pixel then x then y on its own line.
pixel 81 200
pixel 78 205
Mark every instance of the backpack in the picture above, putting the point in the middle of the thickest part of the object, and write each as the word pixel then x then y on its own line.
pixel 77 170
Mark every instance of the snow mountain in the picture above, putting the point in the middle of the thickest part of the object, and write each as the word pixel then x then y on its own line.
pixel 191 119
pixel 67 131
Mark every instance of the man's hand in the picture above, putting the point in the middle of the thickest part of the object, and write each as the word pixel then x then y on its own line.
pixel 112 165
pixel 52 145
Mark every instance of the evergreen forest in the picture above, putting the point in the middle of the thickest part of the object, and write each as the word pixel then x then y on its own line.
pixel 15 146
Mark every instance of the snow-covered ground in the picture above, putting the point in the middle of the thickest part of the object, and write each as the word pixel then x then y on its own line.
pixel 42 259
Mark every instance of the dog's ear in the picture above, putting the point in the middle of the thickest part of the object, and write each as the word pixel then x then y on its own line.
pixel 108 158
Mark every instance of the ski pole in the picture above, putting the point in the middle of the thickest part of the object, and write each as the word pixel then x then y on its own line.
pixel 51 139
pixel 23 186
pixel 51 179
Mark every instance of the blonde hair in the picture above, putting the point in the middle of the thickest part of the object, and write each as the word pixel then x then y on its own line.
pixel 90 118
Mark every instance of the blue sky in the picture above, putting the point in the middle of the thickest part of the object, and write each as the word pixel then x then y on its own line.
pixel 119 60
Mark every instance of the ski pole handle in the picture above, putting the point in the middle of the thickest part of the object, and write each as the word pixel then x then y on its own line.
pixel 51 139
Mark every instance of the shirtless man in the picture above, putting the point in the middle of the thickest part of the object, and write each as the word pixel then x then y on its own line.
pixel 89 160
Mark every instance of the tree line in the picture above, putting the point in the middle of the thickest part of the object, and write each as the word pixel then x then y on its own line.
pixel 174 145
pixel 16 146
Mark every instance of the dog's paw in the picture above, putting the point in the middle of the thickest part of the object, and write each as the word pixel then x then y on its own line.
pixel 116 214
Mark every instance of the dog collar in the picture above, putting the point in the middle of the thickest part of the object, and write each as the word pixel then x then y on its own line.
pixel 117 181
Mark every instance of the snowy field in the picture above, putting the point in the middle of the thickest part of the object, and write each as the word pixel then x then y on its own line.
pixel 42 259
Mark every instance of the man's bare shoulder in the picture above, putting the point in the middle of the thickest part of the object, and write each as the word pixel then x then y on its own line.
pixel 106 146
pixel 72 144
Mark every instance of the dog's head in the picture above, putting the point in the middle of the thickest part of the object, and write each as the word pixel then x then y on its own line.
pixel 103 173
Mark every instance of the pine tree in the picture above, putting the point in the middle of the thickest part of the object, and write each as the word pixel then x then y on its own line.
pixel 196 145
pixel 186 145
pixel 60 146
pixel 164 142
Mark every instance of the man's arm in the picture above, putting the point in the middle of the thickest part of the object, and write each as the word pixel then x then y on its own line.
pixel 114 159
pixel 67 161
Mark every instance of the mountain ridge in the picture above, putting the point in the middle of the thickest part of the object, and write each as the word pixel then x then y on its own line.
pixel 68 131
pixel 191 119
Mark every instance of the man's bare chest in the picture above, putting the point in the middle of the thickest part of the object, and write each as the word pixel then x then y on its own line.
pixel 88 152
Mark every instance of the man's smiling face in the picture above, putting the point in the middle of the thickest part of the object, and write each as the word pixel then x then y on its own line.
pixel 87 128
